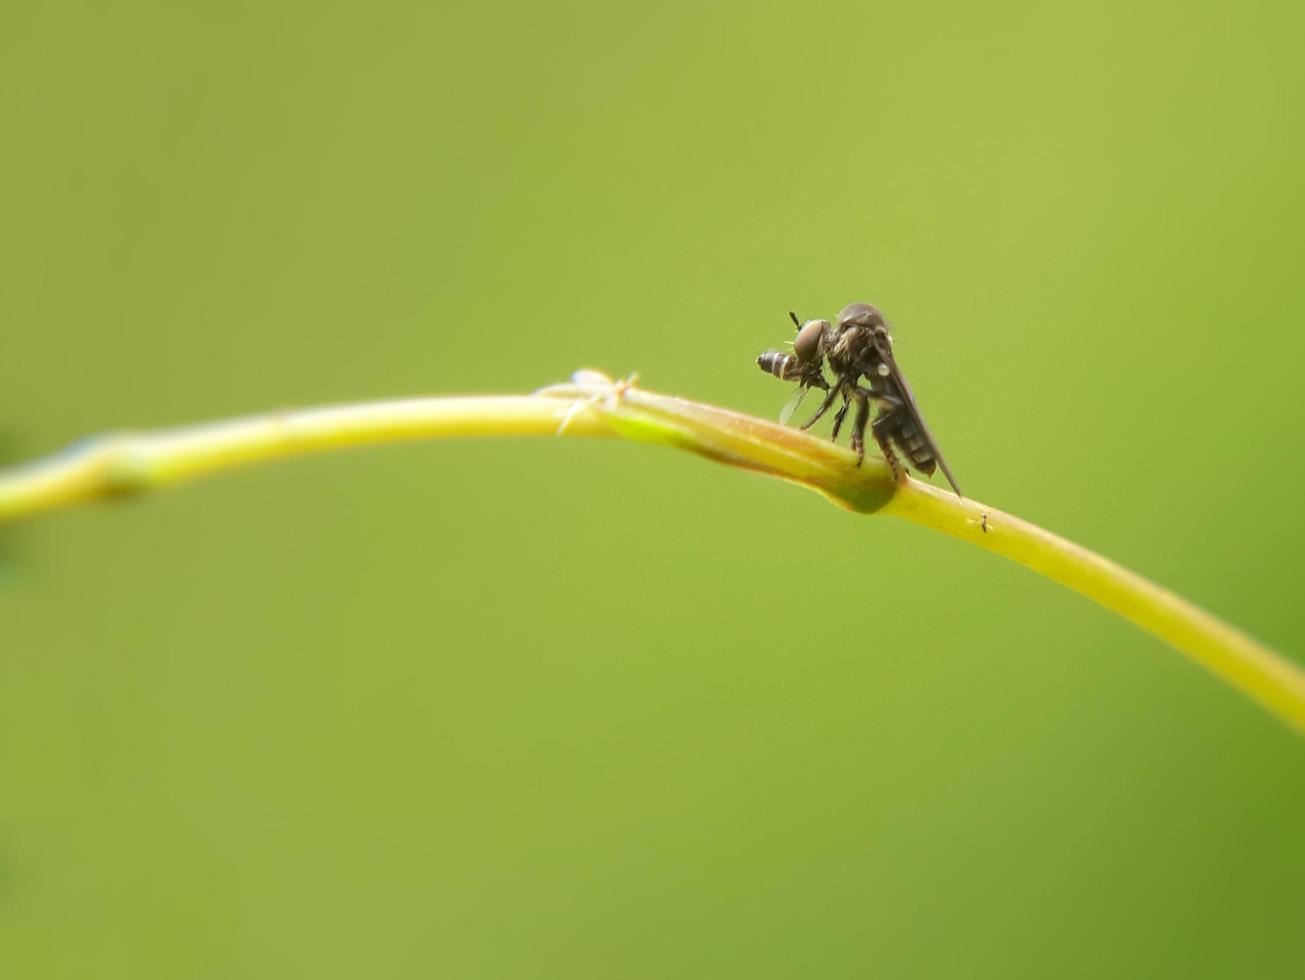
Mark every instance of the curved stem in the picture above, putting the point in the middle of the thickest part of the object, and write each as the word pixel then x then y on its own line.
pixel 1265 676
pixel 126 463
pixel 594 406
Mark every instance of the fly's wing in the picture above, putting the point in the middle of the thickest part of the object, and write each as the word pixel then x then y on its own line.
pixel 787 411
pixel 909 405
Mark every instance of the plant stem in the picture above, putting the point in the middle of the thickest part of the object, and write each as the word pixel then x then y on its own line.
pixel 1260 673
pixel 594 406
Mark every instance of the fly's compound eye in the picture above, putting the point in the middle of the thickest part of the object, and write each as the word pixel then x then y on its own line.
pixel 807 345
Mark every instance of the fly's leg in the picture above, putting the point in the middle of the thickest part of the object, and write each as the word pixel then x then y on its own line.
pixel 858 428
pixel 838 419
pixel 824 407
pixel 879 429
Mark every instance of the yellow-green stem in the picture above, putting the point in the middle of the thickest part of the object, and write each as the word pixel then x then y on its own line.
pixel 592 405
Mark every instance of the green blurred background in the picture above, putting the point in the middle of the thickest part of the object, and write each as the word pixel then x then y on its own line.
pixel 571 709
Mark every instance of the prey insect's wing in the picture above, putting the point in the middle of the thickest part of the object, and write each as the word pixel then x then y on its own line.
pixel 913 409
pixel 787 411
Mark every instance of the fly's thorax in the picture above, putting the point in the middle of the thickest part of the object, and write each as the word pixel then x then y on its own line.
pixel 860 315
pixel 848 348
pixel 864 326
pixel 881 340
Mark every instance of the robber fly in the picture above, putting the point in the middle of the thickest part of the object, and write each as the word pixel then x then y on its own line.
pixel 859 348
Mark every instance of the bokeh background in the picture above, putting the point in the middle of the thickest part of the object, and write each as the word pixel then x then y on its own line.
pixel 569 709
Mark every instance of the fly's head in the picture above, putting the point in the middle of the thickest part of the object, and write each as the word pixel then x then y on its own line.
pixel 805 364
pixel 812 341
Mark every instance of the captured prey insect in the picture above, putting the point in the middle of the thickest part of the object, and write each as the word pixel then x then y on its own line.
pixel 805 365
pixel 858 347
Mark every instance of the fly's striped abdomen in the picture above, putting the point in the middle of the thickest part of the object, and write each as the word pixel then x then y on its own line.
pixel 911 441
pixel 784 366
